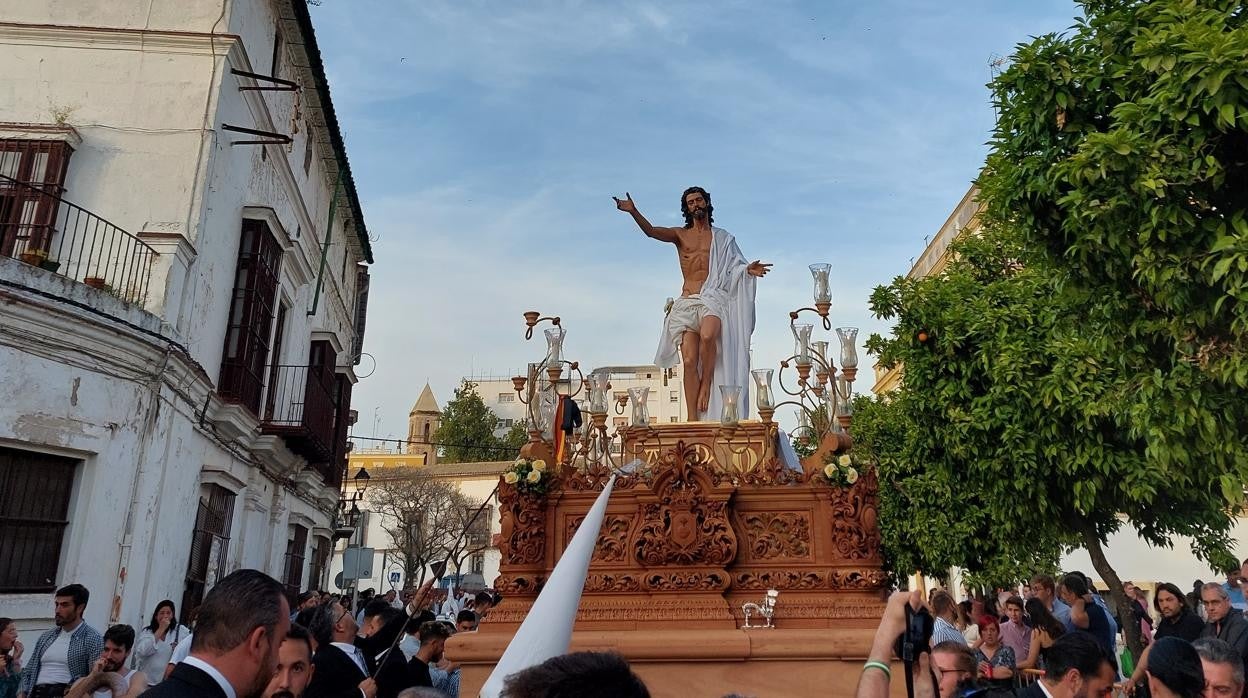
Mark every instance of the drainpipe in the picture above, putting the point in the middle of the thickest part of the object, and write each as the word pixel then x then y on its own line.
pixel 329 231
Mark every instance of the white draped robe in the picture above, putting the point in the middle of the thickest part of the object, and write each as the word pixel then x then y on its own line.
pixel 729 291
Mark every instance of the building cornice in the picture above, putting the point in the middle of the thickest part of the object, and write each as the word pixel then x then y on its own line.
pixel 147 40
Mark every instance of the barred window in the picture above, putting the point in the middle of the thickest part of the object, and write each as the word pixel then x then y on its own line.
pixel 296 552
pixel 210 546
pixel 251 316
pixel 34 510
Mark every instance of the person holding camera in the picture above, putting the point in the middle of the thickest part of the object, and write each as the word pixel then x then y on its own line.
pixel 946 669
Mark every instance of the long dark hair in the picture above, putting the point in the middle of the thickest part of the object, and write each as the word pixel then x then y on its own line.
pixel 153 625
pixel 1042 618
pixel 684 207
pixel 1167 587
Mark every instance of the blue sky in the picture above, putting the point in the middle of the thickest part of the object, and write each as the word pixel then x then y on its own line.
pixel 488 138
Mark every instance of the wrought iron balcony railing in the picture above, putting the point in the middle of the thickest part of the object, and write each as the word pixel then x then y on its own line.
pixel 299 406
pixel 40 228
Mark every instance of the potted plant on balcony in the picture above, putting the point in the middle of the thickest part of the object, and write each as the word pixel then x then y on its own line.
pixel 95 282
pixel 33 257
pixel 50 265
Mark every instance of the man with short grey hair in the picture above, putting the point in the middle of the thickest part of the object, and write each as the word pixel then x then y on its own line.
pixel 1225 623
pixel 1224 670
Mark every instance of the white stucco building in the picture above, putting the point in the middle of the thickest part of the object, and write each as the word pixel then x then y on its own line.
pixel 182 294
pixel 474 480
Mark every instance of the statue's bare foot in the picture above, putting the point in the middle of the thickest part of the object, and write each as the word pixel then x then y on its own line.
pixel 704 399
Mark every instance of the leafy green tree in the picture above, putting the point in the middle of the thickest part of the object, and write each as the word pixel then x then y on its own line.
pixel 1081 366
pixel 1121 151
pixel 467 429
pixel 516 436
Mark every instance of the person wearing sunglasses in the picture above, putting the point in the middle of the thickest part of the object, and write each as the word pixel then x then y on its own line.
pixel 1077 667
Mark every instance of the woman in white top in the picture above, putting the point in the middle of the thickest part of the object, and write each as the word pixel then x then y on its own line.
pixel 155 645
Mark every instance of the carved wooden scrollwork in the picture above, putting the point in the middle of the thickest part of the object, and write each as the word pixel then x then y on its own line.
pixel 770 535
pixel 779 579
pixel 612 543
pixel 611 582
pixel 696 580
pixel 855 518
pixel 689 522
pixel 857 580
pixel 519 584
pixel 523 539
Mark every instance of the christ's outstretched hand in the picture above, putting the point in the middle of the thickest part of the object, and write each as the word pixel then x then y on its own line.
pixel 758 268
pixel 626 204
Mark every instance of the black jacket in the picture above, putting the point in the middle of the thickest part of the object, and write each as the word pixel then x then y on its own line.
pixel 186 681
pixel 336 675
pixel 1188 627
pixel 1233 630
pixel 1032 690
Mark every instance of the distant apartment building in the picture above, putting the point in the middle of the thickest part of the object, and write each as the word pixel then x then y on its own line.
pixel 665 401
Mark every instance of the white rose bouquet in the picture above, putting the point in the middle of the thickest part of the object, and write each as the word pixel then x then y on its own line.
pixel 527 476
pixel 840 470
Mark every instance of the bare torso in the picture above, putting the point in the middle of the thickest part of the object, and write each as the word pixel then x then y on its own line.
pixel 693 247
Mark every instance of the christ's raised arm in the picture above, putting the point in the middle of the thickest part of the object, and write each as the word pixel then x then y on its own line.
pixel 661 234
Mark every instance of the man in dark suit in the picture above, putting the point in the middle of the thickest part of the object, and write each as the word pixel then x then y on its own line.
pixel 383 623
pixel 1225 622
pixel 342 669
pixel 234 651
pixel 1076 667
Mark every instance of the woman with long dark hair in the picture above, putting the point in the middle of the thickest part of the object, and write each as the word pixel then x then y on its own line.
pixel 1045 629
pixel 10 658
pixel 155 645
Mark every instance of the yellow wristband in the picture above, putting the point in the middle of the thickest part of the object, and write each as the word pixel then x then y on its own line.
pixel 881 666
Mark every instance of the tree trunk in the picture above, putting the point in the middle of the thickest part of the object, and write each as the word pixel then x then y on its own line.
pixel 1118 597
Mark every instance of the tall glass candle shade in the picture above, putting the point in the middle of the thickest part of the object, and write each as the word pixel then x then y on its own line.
pixel 849 346
pixel 823 292
pixel 820 351
pixel 554 345
pixel 730 414
pixel 548 403
pixel 637 398
pixel 802 334
pixel 599 385
pixel 763 388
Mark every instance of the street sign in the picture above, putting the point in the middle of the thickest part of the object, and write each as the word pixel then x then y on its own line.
pixel 357 563
pixel 394 577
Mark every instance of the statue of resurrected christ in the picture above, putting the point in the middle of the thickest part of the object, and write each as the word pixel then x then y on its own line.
pixel 713 319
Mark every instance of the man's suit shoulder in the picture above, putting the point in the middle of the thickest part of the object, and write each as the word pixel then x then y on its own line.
pixel 186 681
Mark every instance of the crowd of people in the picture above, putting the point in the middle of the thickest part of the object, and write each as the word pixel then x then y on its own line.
pixel 1063 631
pixel 248 641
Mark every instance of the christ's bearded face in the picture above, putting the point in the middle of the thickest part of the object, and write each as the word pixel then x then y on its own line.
pixel 696 204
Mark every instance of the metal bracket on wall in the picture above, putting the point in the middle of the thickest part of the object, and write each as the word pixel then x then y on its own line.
pixel 270 138
pixel 279 85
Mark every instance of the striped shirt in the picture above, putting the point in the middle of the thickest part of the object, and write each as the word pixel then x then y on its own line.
pixel 943 631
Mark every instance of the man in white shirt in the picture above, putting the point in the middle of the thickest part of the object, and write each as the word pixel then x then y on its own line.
pixel 109 678
pixel 234 651
pixel 64 654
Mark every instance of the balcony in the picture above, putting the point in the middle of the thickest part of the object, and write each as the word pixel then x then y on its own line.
pixel 40 228
pixel 300 407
